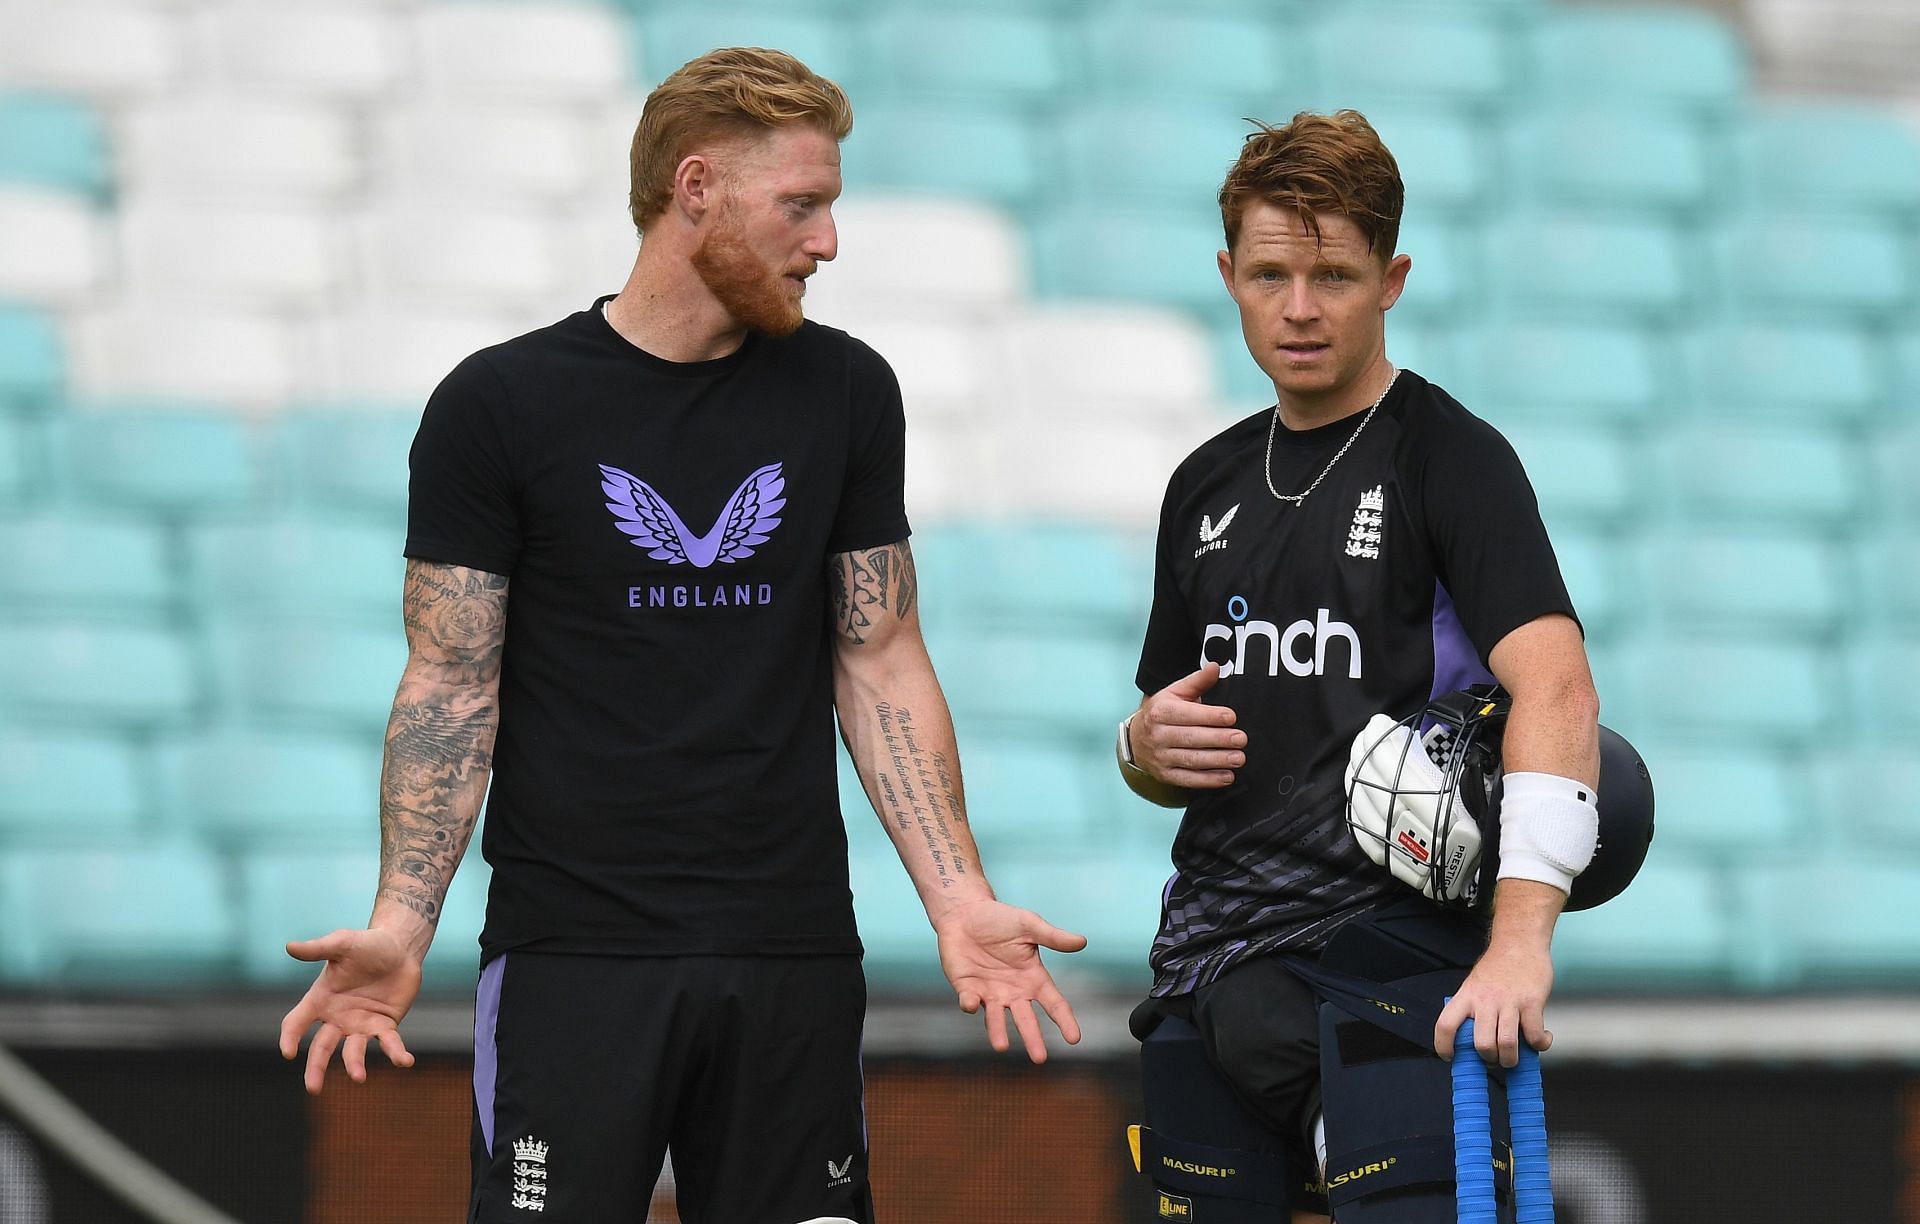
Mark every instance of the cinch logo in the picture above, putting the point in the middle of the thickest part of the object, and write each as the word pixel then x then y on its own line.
pixel 1283 646
pixel 1365 1170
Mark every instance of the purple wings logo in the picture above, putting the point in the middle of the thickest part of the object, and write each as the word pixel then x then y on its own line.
pixel 749 518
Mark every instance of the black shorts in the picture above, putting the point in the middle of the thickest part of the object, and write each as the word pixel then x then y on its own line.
pixel 588 1068
pixel 1261 1026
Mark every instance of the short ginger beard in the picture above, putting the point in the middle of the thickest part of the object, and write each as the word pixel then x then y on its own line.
pixel 755 297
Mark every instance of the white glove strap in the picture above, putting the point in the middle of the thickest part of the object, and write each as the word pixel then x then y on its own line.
pixel 1549 827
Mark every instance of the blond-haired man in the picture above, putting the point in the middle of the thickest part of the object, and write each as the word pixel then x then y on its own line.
pixel 695 496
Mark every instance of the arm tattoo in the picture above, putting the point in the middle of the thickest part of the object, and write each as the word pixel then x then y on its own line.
pixel 439 748
pixel 874 578
pixel 921 791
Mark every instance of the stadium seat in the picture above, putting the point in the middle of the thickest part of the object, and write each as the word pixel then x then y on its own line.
pixel 1759 691
pixel 1580 472
pixel 1584 267
pixel 1730 471
pixel 1597 582
pixel 78 787
pixel 1523 370
pixel 1105 360
pixel 393 355
pixel 240 148
pixel 345 52
pixel 1739 579
pixel 1866 796
pixel 243 255
pixel 498 50
pixel 1840 921
pixel 1428 349
pixel 1054 681
pixel 946 363
pixel 1036 573
pixel 1670 929
pixel 1113 898
pixel 1612 156
pixel 450 153
pixel 351 461
pixel 1818 265
pixel 1886 567
pixel 1164 256
pixel 1227 59
pixel 87 564
pixel 980 151
pixel 1637 55
pixel 159 348
pixel 1785 371
pixel 49 140
pixel 1024 796
pixel 1413 51
pixel 1883 673
pixel 953 470
pixel 1173 154
pixel 33 363
pixel 1821 155
pixel 901 951
pixel 1008 54
pixel 1113 474
pixel 95 675
pixel 424 253
pixel 1447 161
pixel 883 259
pixel 304 893
pixel 1445 279
pixel 1893 451
pixel 300 565
pixel 670 35
pixel 118 48
pixel 52 246
pixel 250 787
pixel 164 460
pixel 1731 802
pixel 152 915
pixel 19 464
pixel 307 674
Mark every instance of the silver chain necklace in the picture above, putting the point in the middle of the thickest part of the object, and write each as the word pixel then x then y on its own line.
pixel 1274 427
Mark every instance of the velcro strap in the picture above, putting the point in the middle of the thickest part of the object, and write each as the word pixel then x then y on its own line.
pixel 1199 1168
pixel 1399 1163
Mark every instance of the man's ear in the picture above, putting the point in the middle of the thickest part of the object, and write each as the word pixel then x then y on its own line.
pixel 696 186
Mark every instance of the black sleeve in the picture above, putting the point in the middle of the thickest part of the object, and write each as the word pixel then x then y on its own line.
pixel 1490 548
pixel 461 506
pixel 873 508
pixel 1171 649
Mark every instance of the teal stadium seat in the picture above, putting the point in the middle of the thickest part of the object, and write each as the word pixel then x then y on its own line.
pixel 96 675
pixel 164 460
pixel 1906 371
pixel 1815 265
pixel 1883 674
pixel 1165 256
pixel 1596 581
pixel 1762 691
pixel 982 150
pixel 1058 682
pixel 1671 929
pixel 18 464
pixel 1445 282
pixel 674 34
pixel 1867 796
pixel 1612 156
pixel 101 566
pixel 1893 452
pixel 1785 371
pixel 33 362
pixel 1843 920
pixel 1447 160
pixel 1561 371
pixel 79 787
pixel 1580 472
pixel 301 564
pixel 243 786
pixel 1637 55
pixel 47 140
pixel 1025 795
pixel 351 459
pixel 1822 155
pixel 1746 579
pixel 1886 566
pixel 1425 52
pixel 1167 154
pixel 308 673
pixel 1732 802
pixel 1113 898
pixel 1010 54
pixel 1585 267
pixel 146 915
pixel 901 950
pixel 1069 575
pixel 1732 471
pixel 1230 59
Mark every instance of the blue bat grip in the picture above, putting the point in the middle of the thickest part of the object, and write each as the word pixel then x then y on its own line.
pixel 1527 1115
pixel 1472 1133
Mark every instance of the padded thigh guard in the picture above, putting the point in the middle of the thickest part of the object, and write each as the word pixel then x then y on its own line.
pixel 1210 1160
pixel 1388 1108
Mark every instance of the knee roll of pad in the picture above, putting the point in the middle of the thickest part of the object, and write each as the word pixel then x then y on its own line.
pixel 1388 1109
pixel 1210 1161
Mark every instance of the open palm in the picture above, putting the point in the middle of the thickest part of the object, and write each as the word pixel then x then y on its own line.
pixel 367 982
pixel 990 952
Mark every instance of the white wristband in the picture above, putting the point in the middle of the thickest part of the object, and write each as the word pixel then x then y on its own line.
pixel 1549 828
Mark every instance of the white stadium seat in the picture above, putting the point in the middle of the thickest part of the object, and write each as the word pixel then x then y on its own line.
pixel 919 252
pixel 233 253
pixel 459 151
pixel 169 349
pixel 944 363
pixel 393 355
pixel 105 48
pixel 1108 359
pixel 233 147
pixel 453 255
pixel 52 246
pixel 334 50
pixel 575 52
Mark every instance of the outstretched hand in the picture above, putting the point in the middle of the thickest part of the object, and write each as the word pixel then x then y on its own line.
pixel 367 982
pixel 990 952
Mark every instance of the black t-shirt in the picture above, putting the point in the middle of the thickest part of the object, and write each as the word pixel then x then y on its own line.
pixel 664 772
pixel 1392 582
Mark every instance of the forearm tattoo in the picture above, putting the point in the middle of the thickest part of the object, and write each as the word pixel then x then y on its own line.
pixel 870 582
pixel 920 791
pixel 440 736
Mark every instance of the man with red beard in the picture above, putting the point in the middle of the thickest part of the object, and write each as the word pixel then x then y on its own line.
pixel 669 954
